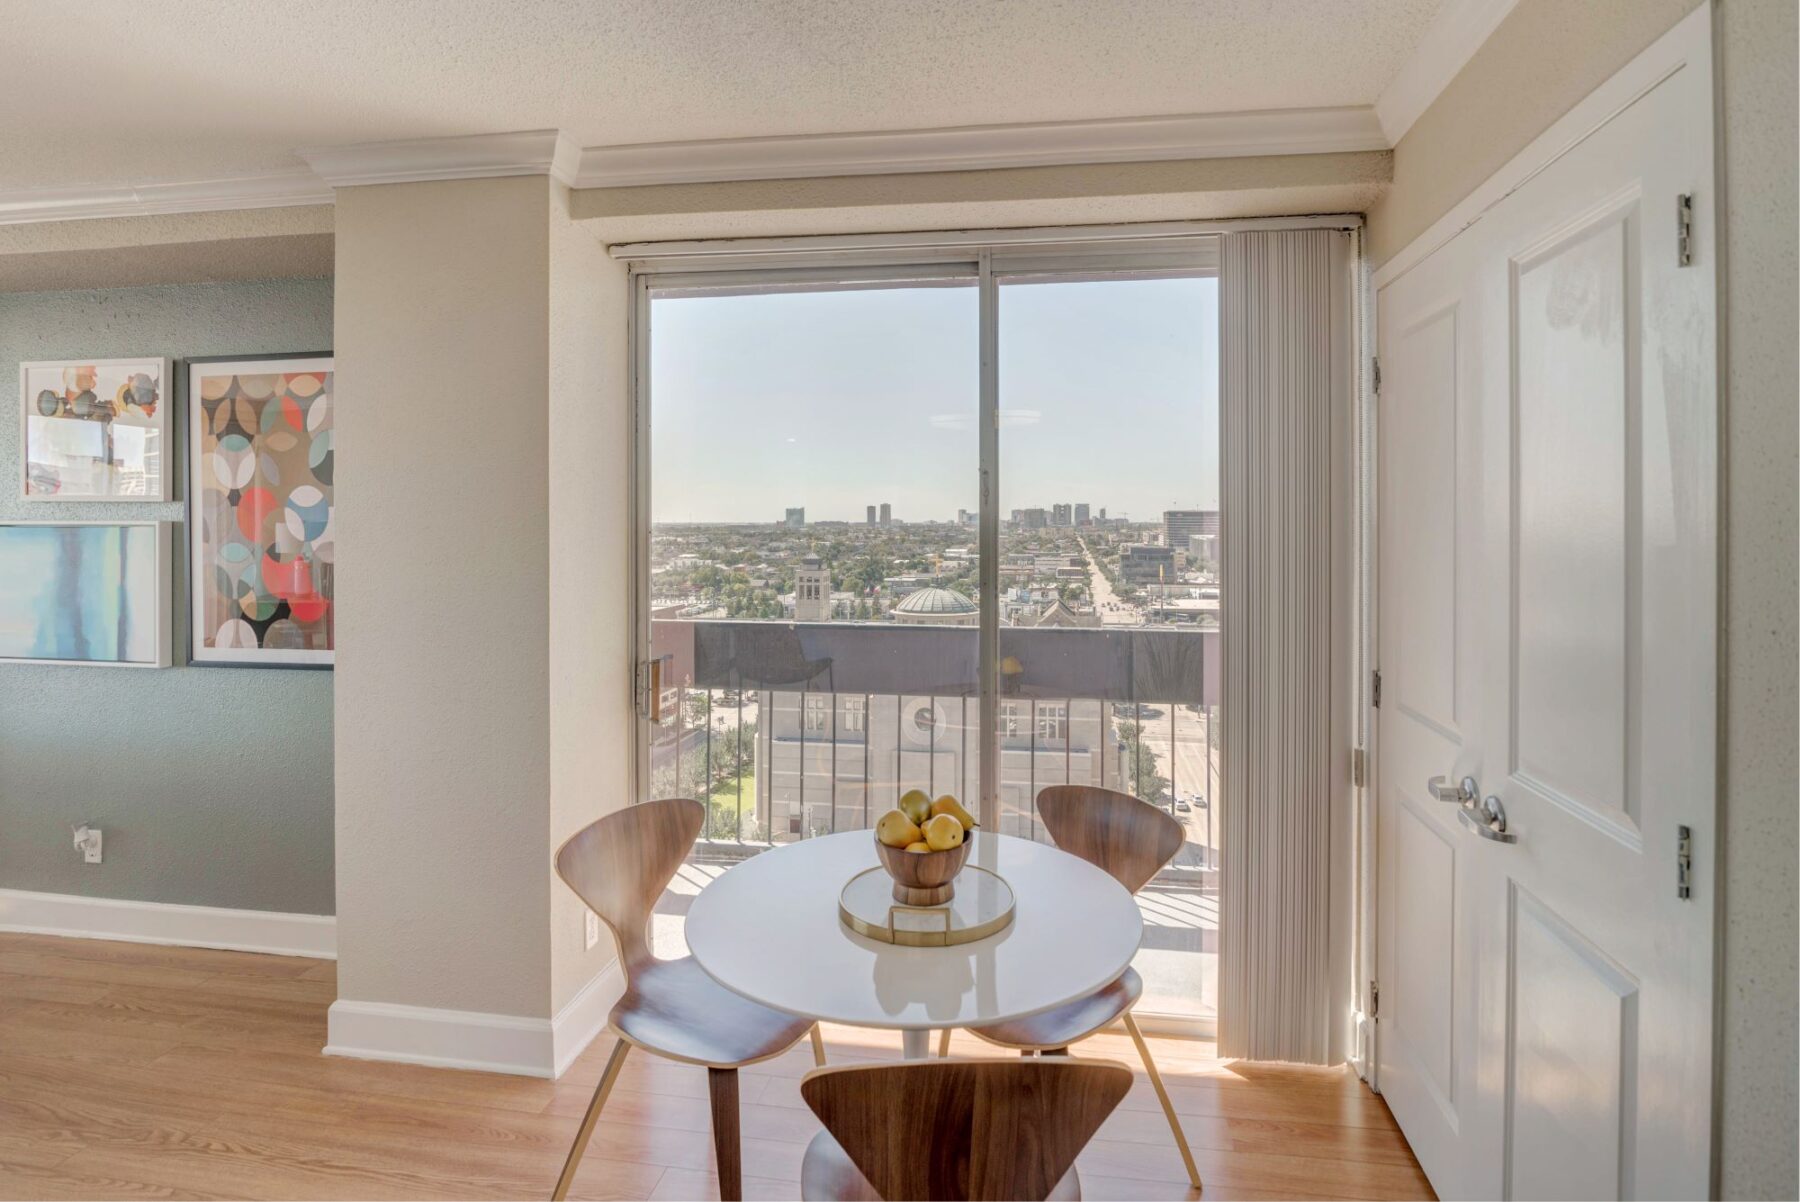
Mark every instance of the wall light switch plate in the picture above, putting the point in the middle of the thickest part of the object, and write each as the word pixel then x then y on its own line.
pixel 90 850
pixel 592 927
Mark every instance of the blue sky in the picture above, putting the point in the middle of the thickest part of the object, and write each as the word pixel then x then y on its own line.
pixel 838 400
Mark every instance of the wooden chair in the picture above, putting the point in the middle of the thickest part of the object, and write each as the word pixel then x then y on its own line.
pixel 1130 840
pixel 954 1129
pixel 619 866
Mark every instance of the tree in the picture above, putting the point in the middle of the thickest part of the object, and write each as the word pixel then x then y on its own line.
pixel 1139 764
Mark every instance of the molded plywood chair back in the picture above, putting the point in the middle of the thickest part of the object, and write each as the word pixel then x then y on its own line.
pixel 1129 839
pixel 955 1129
pixel 621 864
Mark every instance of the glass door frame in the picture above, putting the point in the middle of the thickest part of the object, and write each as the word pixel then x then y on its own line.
pixel 985 257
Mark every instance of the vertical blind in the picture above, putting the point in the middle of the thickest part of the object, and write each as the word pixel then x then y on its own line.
pixel 1284 400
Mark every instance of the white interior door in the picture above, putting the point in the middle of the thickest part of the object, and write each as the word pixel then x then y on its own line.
pixel 1547 584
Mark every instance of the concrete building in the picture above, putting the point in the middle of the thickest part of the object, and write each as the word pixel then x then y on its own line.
pixel 1146 563
pixel 1030 519
pixel 796 518
pixel 1083 515
pixel 1180 525
pixel 812 591
pixel 1062 514
pixel 939 606
pixel 831 758
pixel 887 514
pixel 871 515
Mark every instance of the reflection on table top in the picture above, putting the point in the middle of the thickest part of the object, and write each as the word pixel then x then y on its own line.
pixel 769 929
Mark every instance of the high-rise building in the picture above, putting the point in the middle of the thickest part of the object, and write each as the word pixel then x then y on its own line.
pixel 796 518
pixel 1083 515
pixel 1145 563
pixel 812 591
pixel 1030 519
pixel 871 515
pixel 1180 525
pixel 887 514
pixel 1062 514
pixel 1103 513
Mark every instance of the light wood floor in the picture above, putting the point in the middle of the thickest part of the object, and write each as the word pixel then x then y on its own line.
pixel 130 1071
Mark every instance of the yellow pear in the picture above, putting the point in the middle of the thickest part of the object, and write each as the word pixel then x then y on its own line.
pixel 918 847
pixel 897 830
pixel 916 804
pixel 944 832
pixel 949 805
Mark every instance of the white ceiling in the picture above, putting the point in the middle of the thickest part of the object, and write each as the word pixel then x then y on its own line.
pixel 117 92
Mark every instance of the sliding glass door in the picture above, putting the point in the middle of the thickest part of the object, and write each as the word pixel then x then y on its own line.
pixel 835 609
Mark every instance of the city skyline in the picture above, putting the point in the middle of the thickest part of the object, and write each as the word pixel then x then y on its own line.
pixel 838 399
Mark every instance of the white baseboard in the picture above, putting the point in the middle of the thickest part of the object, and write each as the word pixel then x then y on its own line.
pixel 78 917
pixel 469 1039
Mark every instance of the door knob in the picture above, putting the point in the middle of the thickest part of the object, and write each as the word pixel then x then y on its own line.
pixel 1488 819
pixel 1464 791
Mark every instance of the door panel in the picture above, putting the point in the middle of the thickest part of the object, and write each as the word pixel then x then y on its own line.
pixel 1422 1017
pixel 1572 530
pixel 1574 1034
pixel 1548 532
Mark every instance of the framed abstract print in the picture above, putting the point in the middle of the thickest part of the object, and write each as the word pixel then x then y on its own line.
pixel 87 594
pixel 94 430
pixel 261 579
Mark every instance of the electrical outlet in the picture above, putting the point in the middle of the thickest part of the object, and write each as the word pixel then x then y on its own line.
pixel 591 927
pixel 87 842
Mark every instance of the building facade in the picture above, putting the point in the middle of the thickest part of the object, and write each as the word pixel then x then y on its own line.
pixel 1181 525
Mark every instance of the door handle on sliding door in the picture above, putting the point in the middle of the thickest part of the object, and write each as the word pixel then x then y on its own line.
pixel 1441 789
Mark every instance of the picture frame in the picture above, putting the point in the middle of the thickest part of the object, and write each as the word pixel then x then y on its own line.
pixel 120 574
pixel 96 430
pixel 260 510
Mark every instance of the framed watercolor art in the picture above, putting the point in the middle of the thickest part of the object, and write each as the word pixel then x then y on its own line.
pixel 261 577
pixel 94 430
pixel 86 594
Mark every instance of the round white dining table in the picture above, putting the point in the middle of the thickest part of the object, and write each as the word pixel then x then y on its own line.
pixel 769 930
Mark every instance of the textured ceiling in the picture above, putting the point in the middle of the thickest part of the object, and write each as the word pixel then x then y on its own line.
pixel 139 91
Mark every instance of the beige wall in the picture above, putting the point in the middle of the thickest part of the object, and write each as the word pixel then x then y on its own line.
pixel 443 709
pixel 1542 59
pixel 1758 1052
pixel 1545 56
pixel 591 550
pixel 483 691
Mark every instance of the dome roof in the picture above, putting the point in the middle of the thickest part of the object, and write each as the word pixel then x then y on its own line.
pixel 935 601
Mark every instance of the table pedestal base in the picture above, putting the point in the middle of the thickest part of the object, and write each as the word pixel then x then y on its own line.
pixel 915 1043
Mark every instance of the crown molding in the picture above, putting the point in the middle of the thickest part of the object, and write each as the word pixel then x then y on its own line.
pixel 475 156
pixel 143 200
pixel 1451 40
pixel 977 147
pixel 549 152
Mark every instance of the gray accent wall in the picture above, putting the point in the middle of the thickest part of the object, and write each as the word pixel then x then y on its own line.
pixel 213 785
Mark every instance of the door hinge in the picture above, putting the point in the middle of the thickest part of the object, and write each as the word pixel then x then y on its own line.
pixel 1359 767
pixel 1684 862
pixel 1374 1000
pixel 1684 229
pixel 1376 361
pixel 1375 689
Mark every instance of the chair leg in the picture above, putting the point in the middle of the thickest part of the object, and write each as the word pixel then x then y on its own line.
pixel 944 1044
pixel 722 1083
pixel 609 1075
pixel 1162 1095
pixel 818 1042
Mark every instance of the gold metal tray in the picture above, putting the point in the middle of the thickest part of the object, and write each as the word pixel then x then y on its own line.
pixel 982 906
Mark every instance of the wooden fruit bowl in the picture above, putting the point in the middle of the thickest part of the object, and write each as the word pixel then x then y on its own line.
pixel 924 878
